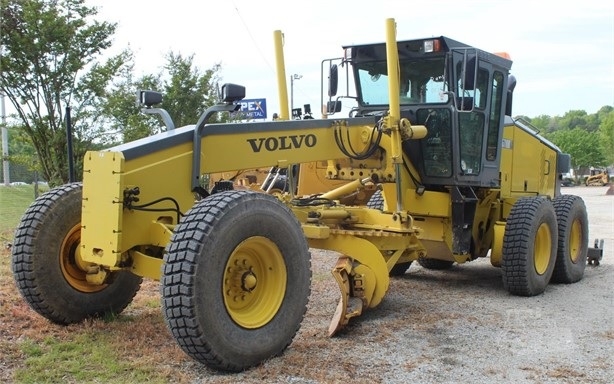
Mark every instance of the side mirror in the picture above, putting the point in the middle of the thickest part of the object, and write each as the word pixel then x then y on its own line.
pixel 232 93
pixel 511 84
pixel 149 98
pixel 333 80
pixel 333 106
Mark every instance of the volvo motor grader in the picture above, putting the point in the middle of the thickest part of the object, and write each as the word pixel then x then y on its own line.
pixel 427 167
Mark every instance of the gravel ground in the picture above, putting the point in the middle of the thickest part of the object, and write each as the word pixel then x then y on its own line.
pixel 459 326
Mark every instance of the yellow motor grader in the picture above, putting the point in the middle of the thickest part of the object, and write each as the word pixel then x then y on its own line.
pixel 427 167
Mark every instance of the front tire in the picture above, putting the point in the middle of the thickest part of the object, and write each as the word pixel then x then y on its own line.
pixel 573 239
pixel 48 270
pixel 236 280
pixel 529 246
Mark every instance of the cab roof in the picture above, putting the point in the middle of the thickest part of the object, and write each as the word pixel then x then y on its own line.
pixel 414 49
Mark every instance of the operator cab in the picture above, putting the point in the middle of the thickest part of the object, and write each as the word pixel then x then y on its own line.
pixel 458 92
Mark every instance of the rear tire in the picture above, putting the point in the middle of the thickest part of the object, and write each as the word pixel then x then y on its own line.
pixel 529 246
pixel 572 248
pixel 236 280
pixel 47 268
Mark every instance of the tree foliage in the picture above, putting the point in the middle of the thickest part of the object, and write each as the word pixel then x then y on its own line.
pixel 52 61
pixel 49 64
pixel 187 91
pixel 544 123
pixel 588 138
pixel 606 132
pixel 121 112
pixel 584 147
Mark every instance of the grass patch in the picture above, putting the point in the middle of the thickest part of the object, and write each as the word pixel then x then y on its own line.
pixel 87 357
pixel 153 303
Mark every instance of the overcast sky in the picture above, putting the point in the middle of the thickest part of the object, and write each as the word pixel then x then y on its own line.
pixel 563 52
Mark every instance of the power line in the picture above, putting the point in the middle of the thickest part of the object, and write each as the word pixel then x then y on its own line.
pixel 252 37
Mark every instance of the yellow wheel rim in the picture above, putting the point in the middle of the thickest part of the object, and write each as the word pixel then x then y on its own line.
pixel 254 282
pixel 73 267
pixel 575 241
pixel 543 248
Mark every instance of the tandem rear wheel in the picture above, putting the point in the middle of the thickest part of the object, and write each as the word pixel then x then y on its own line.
pixel 544 241
pixel 236 280
pixel 572 248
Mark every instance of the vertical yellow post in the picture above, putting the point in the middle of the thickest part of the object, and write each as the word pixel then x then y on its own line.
pixel 392 58
pixel 282 86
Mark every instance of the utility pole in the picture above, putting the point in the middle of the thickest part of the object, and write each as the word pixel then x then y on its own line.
pixel 5 141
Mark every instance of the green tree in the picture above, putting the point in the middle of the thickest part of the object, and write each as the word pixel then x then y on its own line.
pixel 121 112
pixel 48 64
pixel 579 119
pixel 544 123
pixel 584 147
pixel 187 91
pixel 604 111
pixel 606 132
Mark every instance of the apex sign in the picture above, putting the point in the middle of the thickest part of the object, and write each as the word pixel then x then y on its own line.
pixel 254 108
